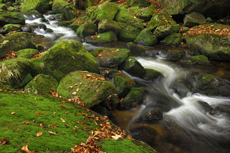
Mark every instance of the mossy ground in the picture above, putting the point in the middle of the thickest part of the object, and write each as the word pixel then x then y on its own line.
pixel 25 107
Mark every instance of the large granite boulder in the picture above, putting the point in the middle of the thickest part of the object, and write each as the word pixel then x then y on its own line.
pixel 64 57
pixel 11 18
pixel 146 37
pixel 40 5
pixel 106 37
pixel 90 88
pixel 136 50
pixel 108 25
pixel 193 19
pixel 173 39
pixel 128 32
pixel 87 29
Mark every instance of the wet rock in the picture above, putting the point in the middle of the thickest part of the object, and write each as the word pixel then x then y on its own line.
pixel 193 19
pixel 87 29
pixel 213 86
pixel 109 36
pixel 163 31
pixel 205 7
pixel 31 28
pixel 110 57
pixel 40 5
pixel 27 53
pixel 128 33
pixel 64 57
pixel 146 37
pixel 199 59
pixel 88 91
pixel 160 18
pixel 133 98
pixel 142 13
pixel 63 7
pixel 15 42
pixel 175 55
pixel 140 3
pixel 39 47
pixel 16 72
pixel 128 18
pixel 150 114
pixel 49 30
pixel 205 106
pixel 11 27
pixel 79 21
pixel 101 110
pixel 136 50
pixel 151 74
pixel 108 25
pixel 113 101
pixel 11 18
pixel 122 82
pixel 103 11
pixel 133 67
pixel 215 47
pixel 41 84
pixel 173 39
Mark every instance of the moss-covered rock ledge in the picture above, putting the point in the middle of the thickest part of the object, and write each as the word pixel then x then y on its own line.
pixel 49 125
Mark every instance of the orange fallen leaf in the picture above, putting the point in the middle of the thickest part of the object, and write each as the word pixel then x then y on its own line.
pixel 50 132
pixel 38 113
pixel 25 122
pixel 63 106
pixel 75 128
pixel 121 100
pixel 41 125
pixel 54 112
pixel 25 149
pixel 39 134
pixel 74 93
pixel 4 141
pixel 83 123
pixel 130 81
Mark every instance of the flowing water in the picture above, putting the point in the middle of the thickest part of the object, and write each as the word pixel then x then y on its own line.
pixel 192 122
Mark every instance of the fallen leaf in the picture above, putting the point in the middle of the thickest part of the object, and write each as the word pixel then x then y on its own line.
pixel 130 81
pixel 62 120
pixel 83 123
pixel 54 112
pixel 12 113
pixel 75 128
pixel 38 113
pixel 25 122
pixel 63 106
pixel 116 137
pixel 70 87
pixel 39 134
pixel 4 141
pixel 41 125
pixel 25 149
pixel 74 93
pixel 50 132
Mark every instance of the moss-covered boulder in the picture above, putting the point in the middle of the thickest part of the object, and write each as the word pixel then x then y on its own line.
pixel 65 8
pixel 142 13
pixel 87 29
pixel 11 27
pixel 213 86
pixel 133 98
pixel 193 19
pixel 151 74
pixel 110 57
pixel 175 55
pixel 129 18
pixel 15 42
pixel 108 25
pixel 40 5
pixel 3 7
pixel 105 10
pixel 184 29
pixel 128 33
pixel 199 59
pixel 16 72
pixel 113 101
pixel 173 39
pixel 163 31
pixel 122 82
pixel 133 67
pixel 101 110
pixel 146 37
pixel 27 53
pixel 64 57
pixel 91 88
pixel 11 18
pixel 140 3
pixel 41 85
pixel 160 18
pixel 214 46
pixel 31 28
pixel 109 36
pixel 136 50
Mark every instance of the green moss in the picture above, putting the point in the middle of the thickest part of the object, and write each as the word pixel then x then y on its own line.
pixel 3 7
pixel 128 33
pixel 173 39
pixel 163 31
pixel 109 36
pixel 146 37
pixel 199 59
pixel 175 55
pixel 108 25
pixel 11 18
pixel 40 5
pixel 27 53
pixel 151 74
pixel 64 57
pixel 87 29
pixel 140 3
pixel 142 13
pixel 41 84
pixel 11 27
pixel 133 67
pixel 91 91
pixel 136 50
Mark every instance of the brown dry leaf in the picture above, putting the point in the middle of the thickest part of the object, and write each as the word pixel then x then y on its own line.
pixel 66 125
pixel 62 120
pixel 75 127
pixel 116 137
pixel 25 122
pixel 39 134
pixel 69 42
pixel 63 106
pixel 83 123
pixel 0 89
pixel 12 113
pixel 4 141
pixel 41 125
pixel 54 125
pixel 77 89
pixel 70 87
pixel 50 132
pixel 130 137
pixel 74 93
pixel 39 113
pixel 25 149
pixel 54 112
